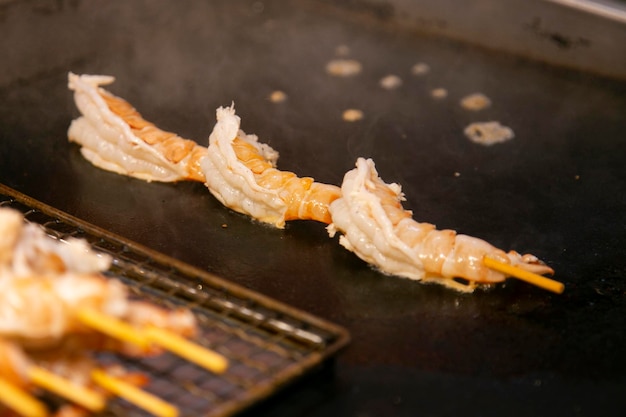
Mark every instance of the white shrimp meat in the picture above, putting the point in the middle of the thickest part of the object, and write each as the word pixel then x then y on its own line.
pixel 373 225
pixel 114 137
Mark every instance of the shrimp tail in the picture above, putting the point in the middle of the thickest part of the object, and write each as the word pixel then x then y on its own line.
pixel 530 263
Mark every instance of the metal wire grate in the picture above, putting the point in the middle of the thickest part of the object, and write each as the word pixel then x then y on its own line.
pixel 268 344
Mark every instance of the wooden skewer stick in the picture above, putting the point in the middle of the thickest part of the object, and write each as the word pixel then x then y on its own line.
pixel 168 340
pixel 20 401
pixel 78 394
pixel 532 278
pixel 184 348
pixel 176 344
pixel 112 327
pixel 134 395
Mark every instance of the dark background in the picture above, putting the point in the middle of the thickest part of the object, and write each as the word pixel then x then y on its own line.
pixel 555 190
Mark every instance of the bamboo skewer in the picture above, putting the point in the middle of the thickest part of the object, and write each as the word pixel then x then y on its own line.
pixel 174 343
pixel 78 394
pixel 529 277
pixel 112 327
pixel 134 395
pixel 20 401
pixel 28 406
pixel 184 348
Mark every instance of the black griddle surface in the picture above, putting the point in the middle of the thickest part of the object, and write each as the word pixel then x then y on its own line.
pixel 555 190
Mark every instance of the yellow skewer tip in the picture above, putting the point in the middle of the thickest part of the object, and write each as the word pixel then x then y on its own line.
pixel 20 401
pixel 134 395
pixel 527 276
pixel 83 396
pixel 111 327
pixel 189 350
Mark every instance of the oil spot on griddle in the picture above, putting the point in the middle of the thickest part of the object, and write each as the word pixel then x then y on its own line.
pixel 343 67
pixel 439 93
pixel 278 96
pixel 560 40
pixel 488 133
pixel 390 82
pixel 475 102
pixel 352 115
pixel 420 68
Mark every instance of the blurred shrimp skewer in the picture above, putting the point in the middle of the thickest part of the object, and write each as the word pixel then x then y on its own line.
pixel 78 309
pixel 65 277
pixel 66 378
pixel 75 298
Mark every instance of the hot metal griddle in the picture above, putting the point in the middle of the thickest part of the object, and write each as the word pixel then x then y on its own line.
pixel 555 190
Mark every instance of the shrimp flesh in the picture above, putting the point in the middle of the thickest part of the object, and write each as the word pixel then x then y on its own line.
pixel 13 363
pixel 26 250
pixel 74 366
pixel 241 173
pixel 64 276
pixel 53 317
pixel 113 136
pixel 378 230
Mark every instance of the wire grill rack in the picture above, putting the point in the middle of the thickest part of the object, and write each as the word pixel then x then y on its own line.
pixel 268 344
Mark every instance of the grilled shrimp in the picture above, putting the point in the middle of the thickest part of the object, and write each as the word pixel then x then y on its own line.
pixel 378 230
pixel 64 277
pixel 113 136
pixel 74 366
pixel 241 173
pixel 26 250
pixel 60 297
pixel 13 363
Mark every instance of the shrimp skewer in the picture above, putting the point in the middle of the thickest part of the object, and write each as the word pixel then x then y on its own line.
pixel 13 364
pixel 68 382
pixel 75 367
pixel 374 226
pixel 113 136
pixel 241 173
pixel 76 300
pixel 71 374
pixel 65 278
pixel 20 401
pixel 61 299
pixel 26 250
pixel 236 168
